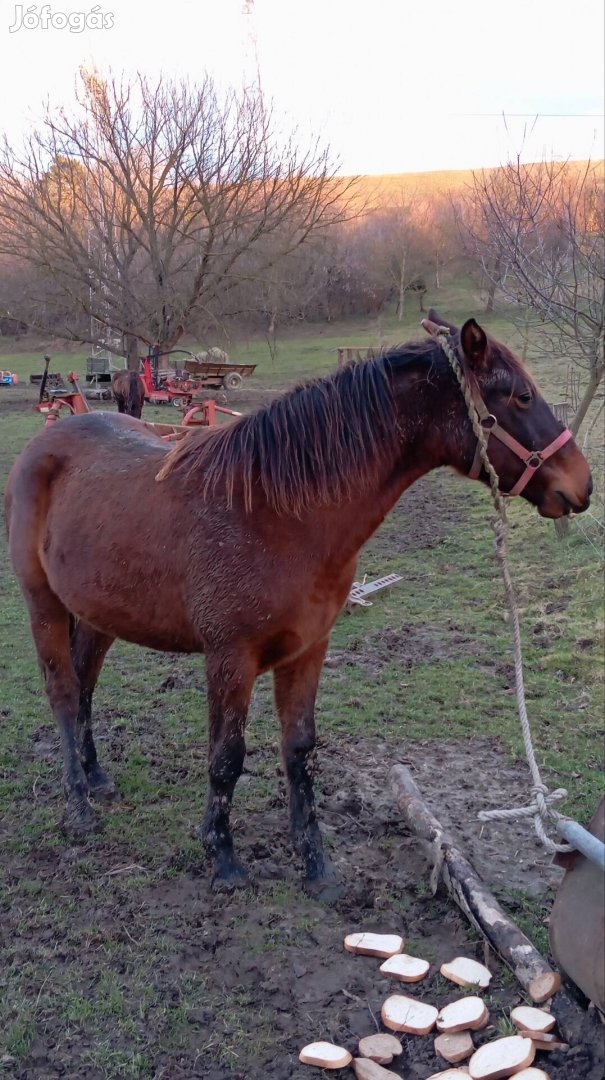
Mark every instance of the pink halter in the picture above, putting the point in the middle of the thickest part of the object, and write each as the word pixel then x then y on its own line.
pixel 532 459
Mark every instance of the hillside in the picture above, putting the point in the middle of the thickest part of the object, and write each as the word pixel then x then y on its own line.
pixel 383 190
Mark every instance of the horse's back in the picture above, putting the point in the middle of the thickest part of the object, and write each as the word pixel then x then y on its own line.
pixel 89 526
pixel 93 430
pixel 102 441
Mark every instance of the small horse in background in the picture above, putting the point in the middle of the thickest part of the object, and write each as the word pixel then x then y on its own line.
pixel 129 391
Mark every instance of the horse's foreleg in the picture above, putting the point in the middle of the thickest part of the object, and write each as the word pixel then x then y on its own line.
pixel 229 691
pixel 89 648
pixel 50 631
pixel 295 692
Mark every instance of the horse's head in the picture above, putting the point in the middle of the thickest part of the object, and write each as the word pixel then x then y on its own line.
pixel 532 453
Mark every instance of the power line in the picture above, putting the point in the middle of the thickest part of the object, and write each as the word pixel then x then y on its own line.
pixel 538 115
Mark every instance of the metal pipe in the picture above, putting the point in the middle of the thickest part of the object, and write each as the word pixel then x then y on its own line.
pixel 583 841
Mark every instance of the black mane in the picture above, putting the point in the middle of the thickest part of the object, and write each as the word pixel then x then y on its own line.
pixel 314 444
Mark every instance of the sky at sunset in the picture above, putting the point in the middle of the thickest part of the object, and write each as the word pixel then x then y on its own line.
pixel 391 86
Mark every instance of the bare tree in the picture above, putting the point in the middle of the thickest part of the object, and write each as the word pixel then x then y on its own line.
pixel 403 223
pixel 147 207
pixel 539 232
pixel 441 237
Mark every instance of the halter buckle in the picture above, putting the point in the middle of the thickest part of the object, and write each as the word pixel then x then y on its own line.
pixel 534 460
pixel 488 422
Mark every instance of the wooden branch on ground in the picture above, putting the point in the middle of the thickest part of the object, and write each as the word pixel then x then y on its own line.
pixel 483 910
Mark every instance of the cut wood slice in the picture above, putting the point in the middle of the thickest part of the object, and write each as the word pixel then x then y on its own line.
pixel 544 986
pixel 532 1074
pixel 504 1057
pixel 326 1055
pixel 408 969
pixel 532 1019
pixel 543 1041
pixel 462 1015
pixel 380 1048
pixel 365 1069
pixel 374 944
pixel 467 972
pixel 450 1074
pixel 454 1047
pixel 400 1013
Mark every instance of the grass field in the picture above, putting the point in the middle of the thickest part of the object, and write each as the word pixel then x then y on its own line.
pixel 116 959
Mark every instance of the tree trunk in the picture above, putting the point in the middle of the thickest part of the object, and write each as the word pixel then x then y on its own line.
pixel 401 297
pixel 132 353
pixel 491 292
pixel 594 382
pixel 271 336
pixel 167 342
pixel 494 280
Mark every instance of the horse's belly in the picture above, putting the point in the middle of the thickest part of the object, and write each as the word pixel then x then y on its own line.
pixel 130 599
pixel 142 624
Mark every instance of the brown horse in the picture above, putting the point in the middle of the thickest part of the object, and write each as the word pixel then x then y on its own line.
pixel 129 391
pixel 278 504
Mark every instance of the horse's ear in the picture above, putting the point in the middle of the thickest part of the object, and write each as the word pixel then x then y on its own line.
pixel 474 344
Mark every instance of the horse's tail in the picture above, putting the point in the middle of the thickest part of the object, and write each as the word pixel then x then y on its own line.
pixel 134 401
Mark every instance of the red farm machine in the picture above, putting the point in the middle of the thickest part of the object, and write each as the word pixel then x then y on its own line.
pixel 178 386
pixel 57 394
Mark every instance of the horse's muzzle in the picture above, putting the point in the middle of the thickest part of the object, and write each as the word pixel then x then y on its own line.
pixel 577 508
pixel 560 504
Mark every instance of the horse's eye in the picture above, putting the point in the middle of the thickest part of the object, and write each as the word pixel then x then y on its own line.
pixel 524 398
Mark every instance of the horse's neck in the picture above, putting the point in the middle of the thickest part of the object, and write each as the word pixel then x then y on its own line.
pixel 354 520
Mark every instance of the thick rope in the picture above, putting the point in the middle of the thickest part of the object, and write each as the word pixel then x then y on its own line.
pixel 540 809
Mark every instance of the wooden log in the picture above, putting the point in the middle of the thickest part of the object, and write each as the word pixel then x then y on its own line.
pixel 481 908
pixel 463 883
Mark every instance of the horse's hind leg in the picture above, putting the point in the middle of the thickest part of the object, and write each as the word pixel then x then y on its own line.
pixel 229 691
pixel 89 648
pixel 50 624
pixel 295 692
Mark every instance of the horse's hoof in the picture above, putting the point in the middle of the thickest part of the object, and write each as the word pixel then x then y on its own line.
pixel 80 821
pixel 322 881
pixel 100 785
pixel 104 792
pixel 230 876
pixel 325 891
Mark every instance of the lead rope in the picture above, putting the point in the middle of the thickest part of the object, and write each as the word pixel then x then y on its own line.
pixel 541 808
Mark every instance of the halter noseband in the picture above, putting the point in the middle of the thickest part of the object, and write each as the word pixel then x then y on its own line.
pixel 532 459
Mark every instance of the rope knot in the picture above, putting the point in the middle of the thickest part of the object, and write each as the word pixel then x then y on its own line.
pixel 539 789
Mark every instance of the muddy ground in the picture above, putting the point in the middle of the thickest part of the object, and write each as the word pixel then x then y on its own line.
pixel 284 963
pixel 272 971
